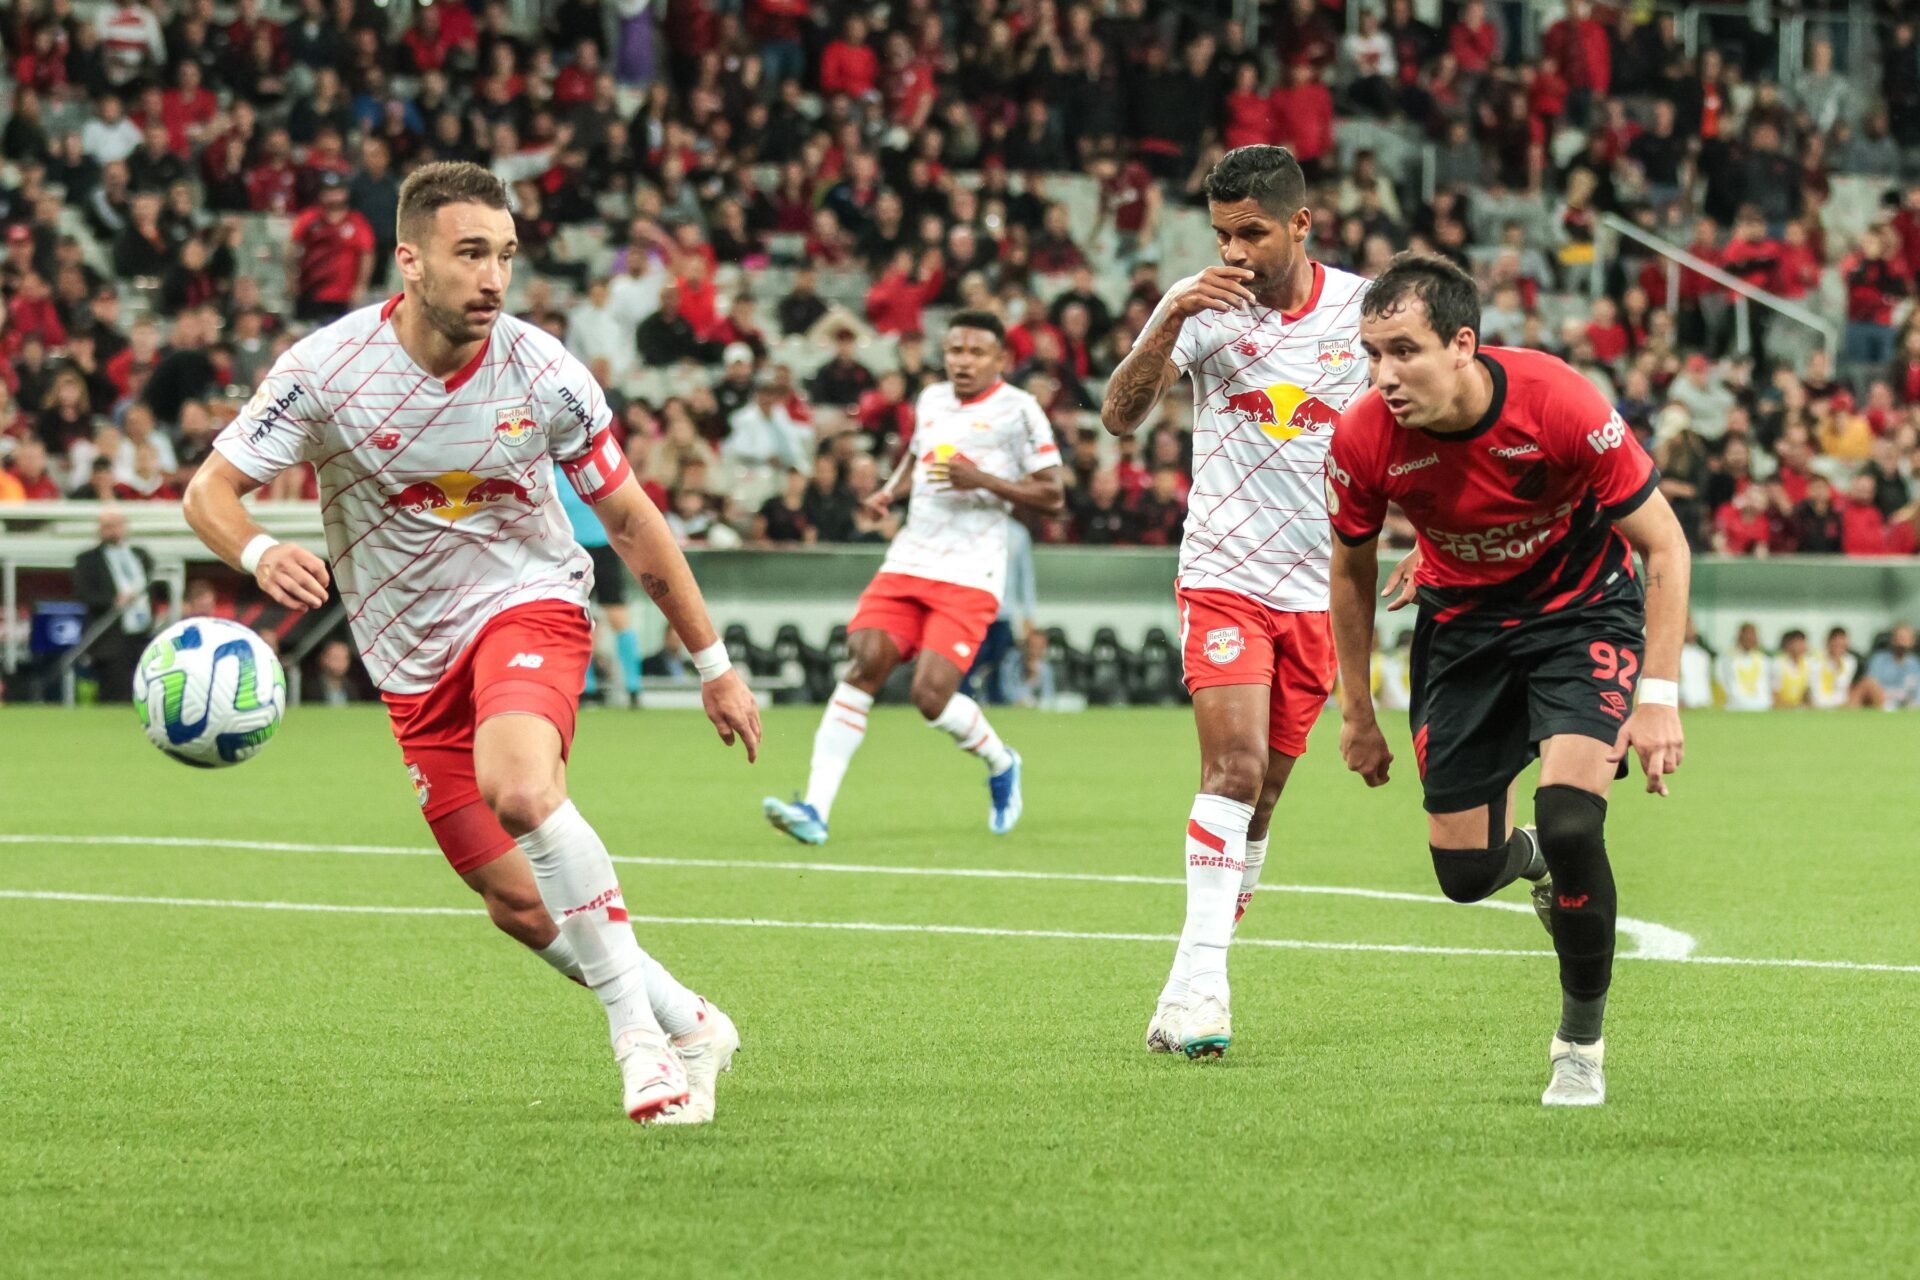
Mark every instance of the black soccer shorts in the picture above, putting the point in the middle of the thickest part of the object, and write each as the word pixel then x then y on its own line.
pixel 1486 691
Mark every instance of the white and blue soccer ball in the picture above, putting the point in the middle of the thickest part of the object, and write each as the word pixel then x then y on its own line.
pixel 209 692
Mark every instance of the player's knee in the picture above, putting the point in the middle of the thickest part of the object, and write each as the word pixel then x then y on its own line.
pixel 1238 774
pixel 1573 831
pixel 521 804
pixel 1468 875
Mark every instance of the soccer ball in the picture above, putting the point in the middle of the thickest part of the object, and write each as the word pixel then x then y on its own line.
pixel 209 692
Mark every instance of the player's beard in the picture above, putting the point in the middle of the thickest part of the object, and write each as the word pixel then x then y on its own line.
pixel 454 323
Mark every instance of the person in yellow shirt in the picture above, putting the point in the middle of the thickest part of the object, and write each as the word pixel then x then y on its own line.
pixel 1842 432
pixel 1792 671
pixel 1833 673
pixel 1746 673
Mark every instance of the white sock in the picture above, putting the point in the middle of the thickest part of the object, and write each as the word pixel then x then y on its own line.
pixel 1250 878
pixel 580 890
pixel 1216 862
pixel 559 954
pixel 840 733
pixel 1175 992
pixel 677 1008
pixel 966 724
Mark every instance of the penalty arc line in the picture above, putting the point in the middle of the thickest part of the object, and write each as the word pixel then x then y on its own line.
pixel 1650 941
pixel 977 931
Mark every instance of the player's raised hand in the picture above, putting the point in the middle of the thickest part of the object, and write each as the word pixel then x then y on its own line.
pixel 876 503
pixel 1364 748
pixel 1401 581
pixel 1215 289
pixel 293 576
pixel 730 705
pixel 1654 731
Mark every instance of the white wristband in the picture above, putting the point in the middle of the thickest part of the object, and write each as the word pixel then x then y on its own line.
pixel 250 558
pixel 712 662
pixel 1659 693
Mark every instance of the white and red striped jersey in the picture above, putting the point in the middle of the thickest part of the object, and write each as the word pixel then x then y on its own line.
pixel 1267 389
pixel 961 536
pixel 437 496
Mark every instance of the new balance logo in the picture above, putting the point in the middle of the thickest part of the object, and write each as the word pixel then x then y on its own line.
pixel 1573 904
pixel 531 661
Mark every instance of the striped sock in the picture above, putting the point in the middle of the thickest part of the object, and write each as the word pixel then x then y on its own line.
pixel 841 731
pixel 966 724
pixel 1216 864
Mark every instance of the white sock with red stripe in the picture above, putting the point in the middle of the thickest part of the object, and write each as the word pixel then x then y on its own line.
pixel 842 729
pixel 677 1008
pixel 1216 864
pixel 966 724
pixel 1250 878
pixel 575 875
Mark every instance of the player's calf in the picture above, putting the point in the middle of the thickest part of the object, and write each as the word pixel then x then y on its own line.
pixel 1572 826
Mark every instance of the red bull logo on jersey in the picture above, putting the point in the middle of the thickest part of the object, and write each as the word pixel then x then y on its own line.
pixel 516 426
pixel 456 495
pixel 1224 644
pixel 946 453
pixel 1282 411
pixel 1336 357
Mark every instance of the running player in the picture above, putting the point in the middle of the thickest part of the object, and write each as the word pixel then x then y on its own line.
pixel 1271 339
pixel 434 422
pixel 980 448
pixel 1530 496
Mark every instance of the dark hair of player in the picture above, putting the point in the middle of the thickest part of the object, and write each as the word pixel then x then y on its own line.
pixel 432 187
pixel 985 321
pixel 1449 294
pixel 1837 631
pixel 1791 636
pixel 1268 176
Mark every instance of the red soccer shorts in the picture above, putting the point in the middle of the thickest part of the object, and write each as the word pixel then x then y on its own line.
pixel 530 659
pixel 1228 638
pixel 920 613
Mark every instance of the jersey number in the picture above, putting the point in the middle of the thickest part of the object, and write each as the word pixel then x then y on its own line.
pixel 1610 663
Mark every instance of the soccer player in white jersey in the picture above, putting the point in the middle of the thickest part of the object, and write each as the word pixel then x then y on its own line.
pixel 434 423
pixel 980 449
pixel 1271 340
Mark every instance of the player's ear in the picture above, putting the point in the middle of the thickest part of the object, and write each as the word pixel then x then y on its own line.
pixel 1301 224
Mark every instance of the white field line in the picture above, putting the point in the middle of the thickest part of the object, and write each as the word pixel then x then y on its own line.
pixel 1650 941
pixel 862 926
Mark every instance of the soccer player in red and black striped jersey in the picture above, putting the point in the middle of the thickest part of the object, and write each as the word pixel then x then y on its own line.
pixel 1529 497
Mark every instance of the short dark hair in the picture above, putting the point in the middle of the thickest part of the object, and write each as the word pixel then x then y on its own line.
pixel 1837 631
pixel 985 321
pixel 1789 637
pixel 1269 176
pixel 1449 294
pixel 432 187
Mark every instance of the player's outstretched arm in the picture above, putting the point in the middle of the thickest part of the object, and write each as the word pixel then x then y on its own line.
pixel 1041 492
pixel 641 538
pixel 1654 727
pixel 1355 570
pixel 292 576
pixel 1144 376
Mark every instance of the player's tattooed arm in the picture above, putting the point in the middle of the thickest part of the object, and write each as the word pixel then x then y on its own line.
pixel 655 586
pixel 1144 376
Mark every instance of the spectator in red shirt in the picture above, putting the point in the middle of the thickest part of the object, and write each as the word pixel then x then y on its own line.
pixel 1867 532
pixel 1744 526
pixel 1605 334
pixel 1797 272
pixel 897 298
pixel 699 301
pixel 427 42
pixel 884 411
pixel 909 84
pixel 1303 118
pixel 1160 510
pixel 1876 282
pixel 1579 44
pixel 28 470
pixel 271 183
pixel 1131 199
pixel 574 85
pixel 1905 374
pixel 188 108
pixel 333 262
pixel 1474 40
pixel 849 65
pixel 1053 252
pixel 827 244
pixel 1249 113
pixel 33 312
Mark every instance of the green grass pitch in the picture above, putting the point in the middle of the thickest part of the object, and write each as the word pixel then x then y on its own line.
pixel 209 1090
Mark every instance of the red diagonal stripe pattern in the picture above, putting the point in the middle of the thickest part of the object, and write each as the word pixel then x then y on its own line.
pixel 1197 832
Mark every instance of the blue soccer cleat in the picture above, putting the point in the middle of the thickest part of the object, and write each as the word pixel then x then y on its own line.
pixel 798 820
pixel 1004 787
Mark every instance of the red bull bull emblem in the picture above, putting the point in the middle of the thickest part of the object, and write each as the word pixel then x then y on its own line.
pixel 457 495
pixel 1335 356
pixel 516 426
pixel 1224 645
pixel 1282 411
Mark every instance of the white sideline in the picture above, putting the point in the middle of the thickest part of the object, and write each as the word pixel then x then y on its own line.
pixel 978 931
pixel 1650 941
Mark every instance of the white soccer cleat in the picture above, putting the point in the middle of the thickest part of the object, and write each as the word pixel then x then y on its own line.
pixel 1578 1080
pixel 1163 1032
pixel 654 1078
pixel 705 1051
pixel 1207 1028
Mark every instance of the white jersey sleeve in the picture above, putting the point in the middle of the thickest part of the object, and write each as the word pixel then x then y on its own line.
pixel 571 406
pixel 280 427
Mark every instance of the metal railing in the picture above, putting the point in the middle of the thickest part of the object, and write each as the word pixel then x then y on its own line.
pixel 1744 294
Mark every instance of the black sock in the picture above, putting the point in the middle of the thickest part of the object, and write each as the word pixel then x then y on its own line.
pixel 1572 825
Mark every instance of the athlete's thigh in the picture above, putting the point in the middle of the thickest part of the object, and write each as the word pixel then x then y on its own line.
pixel 891 605
pixel 1304 666
pixel 1579 695
pixel 1576 760
pixel 1469 717
pixel 530 664
pixel 958 619
pixel 875 654
pixel 1232 721
pixel 518 746
pixel 1484 826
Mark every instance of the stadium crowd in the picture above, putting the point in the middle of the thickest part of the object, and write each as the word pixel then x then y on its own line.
pixel 697 182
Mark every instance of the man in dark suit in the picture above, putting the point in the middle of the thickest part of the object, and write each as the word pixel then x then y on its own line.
pixel 109 576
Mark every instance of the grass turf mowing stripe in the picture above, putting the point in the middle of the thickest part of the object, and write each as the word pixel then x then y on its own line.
pixel 1650 941
pixel 858 926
